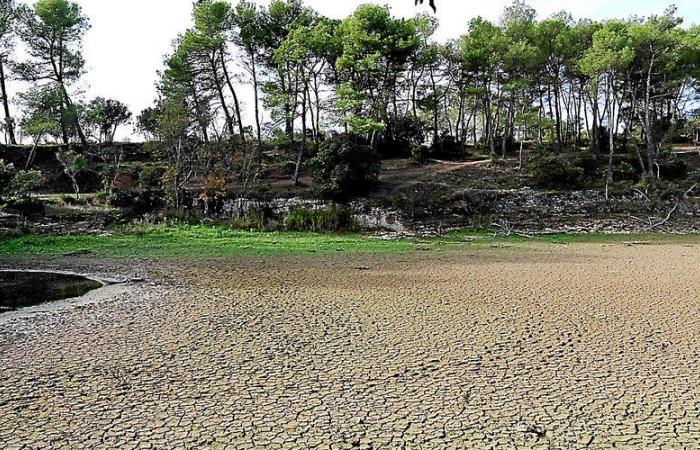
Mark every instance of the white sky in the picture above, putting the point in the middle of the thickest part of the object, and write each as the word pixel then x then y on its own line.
pixel 125 47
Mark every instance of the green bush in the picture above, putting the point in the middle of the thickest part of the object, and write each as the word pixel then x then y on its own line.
pixel 587 163
pixel 151 177
pixel 73 200
pixel 345 166
pixel 146 196
pixel 672 168
pixel 406 134
pixel 7 173
pixel 181 217
pixel 624 171
pixel 25 182
pixel 325 219
pixel 253 221
pixel 549 171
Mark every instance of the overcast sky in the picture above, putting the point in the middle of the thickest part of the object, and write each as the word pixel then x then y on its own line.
pixel 125 47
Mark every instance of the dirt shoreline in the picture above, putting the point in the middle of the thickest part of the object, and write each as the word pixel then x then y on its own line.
pixel 552 346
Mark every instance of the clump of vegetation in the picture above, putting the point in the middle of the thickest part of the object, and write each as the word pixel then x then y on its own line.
pixel 319 220
pixel 345 166
pixel 146 195
pixel 550 171
pixel 17 186
pixel 73 164
pixel 180 217
pixel 253 221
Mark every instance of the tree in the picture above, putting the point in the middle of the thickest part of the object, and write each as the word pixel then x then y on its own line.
pixel 250 37
pixel 302 54
pixel 205 45
pixel 104 116
pixel 376 50
pixel 147 123
pixel 8 10
pixel 345 166
pixel 606 61
pixel 73 164
pixel 660 77
pixel 182 152
pixel 52 32
pixel 41 116
pixel 282 88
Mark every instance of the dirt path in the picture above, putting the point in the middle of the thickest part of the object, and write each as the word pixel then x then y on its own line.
pixel 561 347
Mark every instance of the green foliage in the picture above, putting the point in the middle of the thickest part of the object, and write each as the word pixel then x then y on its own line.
pixel 104 116
pixel 41 112
pixel 345 166
pixel 318 220
pixel 376 49
pixel 587 163
pixel 73 164
pixel 18 185
pixel 146 196
pixel 52 32
pixel 671 167
pixel 7 174
pixel 147 123
pixel 253 221
pixel 176 216
pixel 25 182
pixel 550 171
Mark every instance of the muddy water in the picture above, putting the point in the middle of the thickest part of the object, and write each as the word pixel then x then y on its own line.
pixel 23 289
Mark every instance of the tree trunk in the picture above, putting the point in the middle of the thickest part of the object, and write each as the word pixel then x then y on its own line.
pixel 220 93
pixel 6 105
pixel 611 132
pixel 236 104
pixel 300 156
pixel 256 98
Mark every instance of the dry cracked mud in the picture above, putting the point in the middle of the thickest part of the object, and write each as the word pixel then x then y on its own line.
pixel 578 346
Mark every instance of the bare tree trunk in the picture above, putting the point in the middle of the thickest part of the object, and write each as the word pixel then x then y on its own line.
pixel 256 99
pixel 6 105
pixel 297 169
pixel 220 93
pixel 236 104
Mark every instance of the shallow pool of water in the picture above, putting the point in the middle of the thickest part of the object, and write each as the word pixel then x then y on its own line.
pixel 23 289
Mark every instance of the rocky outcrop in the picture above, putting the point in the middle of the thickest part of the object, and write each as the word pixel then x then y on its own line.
pixel 522 209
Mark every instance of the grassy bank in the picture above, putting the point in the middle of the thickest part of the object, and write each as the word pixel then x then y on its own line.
pixel 213 242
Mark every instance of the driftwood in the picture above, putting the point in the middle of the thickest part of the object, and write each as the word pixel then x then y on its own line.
pixel 654 225
pixel 510 229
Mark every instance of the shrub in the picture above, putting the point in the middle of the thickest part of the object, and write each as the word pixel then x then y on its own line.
pixel 253 221
pixel 181 217
pixel 25 182
pixel 345 166
pixel 151 177
pixel 325 219
pixel 587 163
pixel 25 205
pixel 671 167
pixel 7 173
pixel 72 200
pixel 550 171
pixel 407 133
pixel 144 197
pixel 624 171
pixel 446 147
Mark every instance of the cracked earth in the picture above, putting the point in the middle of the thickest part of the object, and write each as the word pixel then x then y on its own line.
pixel 578 346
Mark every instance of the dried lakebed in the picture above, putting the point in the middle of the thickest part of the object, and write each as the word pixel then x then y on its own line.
pixel 554 347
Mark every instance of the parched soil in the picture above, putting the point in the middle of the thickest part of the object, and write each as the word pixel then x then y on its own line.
pixel 554 346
